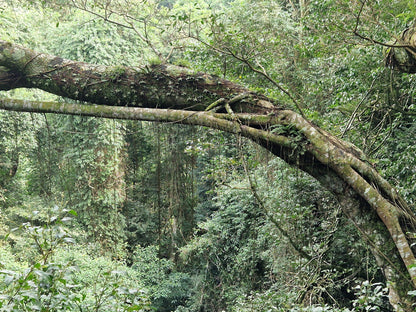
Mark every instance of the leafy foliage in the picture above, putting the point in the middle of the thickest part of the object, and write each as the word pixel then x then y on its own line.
pixel 168 289
pixel 53 282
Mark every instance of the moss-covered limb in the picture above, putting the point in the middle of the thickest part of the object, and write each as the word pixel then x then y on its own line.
pixel 148 114
pixel 155 86
pixel 330 147
pixel 338 156
pixel 377 237
pixel 386 189
pixel 281 145
pixel 335 150
pixel 372 230
pixel 322 149
pixel 340 161
pixel 266 121
pixel 387 213
pixel 388 209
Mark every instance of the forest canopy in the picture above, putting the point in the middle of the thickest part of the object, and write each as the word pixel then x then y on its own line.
pixel 103 210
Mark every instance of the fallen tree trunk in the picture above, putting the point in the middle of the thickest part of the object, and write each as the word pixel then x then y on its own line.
pixel 175 94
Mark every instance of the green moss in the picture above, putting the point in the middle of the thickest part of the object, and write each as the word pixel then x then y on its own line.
pixel 114 73
pixel 155 61
pixel 182 62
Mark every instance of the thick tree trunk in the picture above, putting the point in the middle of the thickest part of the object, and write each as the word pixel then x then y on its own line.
pixel 176 94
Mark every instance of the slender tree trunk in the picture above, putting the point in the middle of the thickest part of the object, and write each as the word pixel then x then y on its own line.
pixel 369 201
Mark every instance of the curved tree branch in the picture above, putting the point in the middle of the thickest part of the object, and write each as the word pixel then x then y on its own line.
pixel 176 94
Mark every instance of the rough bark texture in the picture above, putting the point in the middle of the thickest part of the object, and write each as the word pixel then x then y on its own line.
pixel 402 55
pixel 176 94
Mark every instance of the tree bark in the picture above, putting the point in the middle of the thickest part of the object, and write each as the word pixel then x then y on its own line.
pixel 169 93
pixel 401 54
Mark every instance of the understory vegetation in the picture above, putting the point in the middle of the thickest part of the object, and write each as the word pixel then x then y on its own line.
pixel 106 215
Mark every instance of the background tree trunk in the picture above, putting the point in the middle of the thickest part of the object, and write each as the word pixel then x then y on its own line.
pixel 401 55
